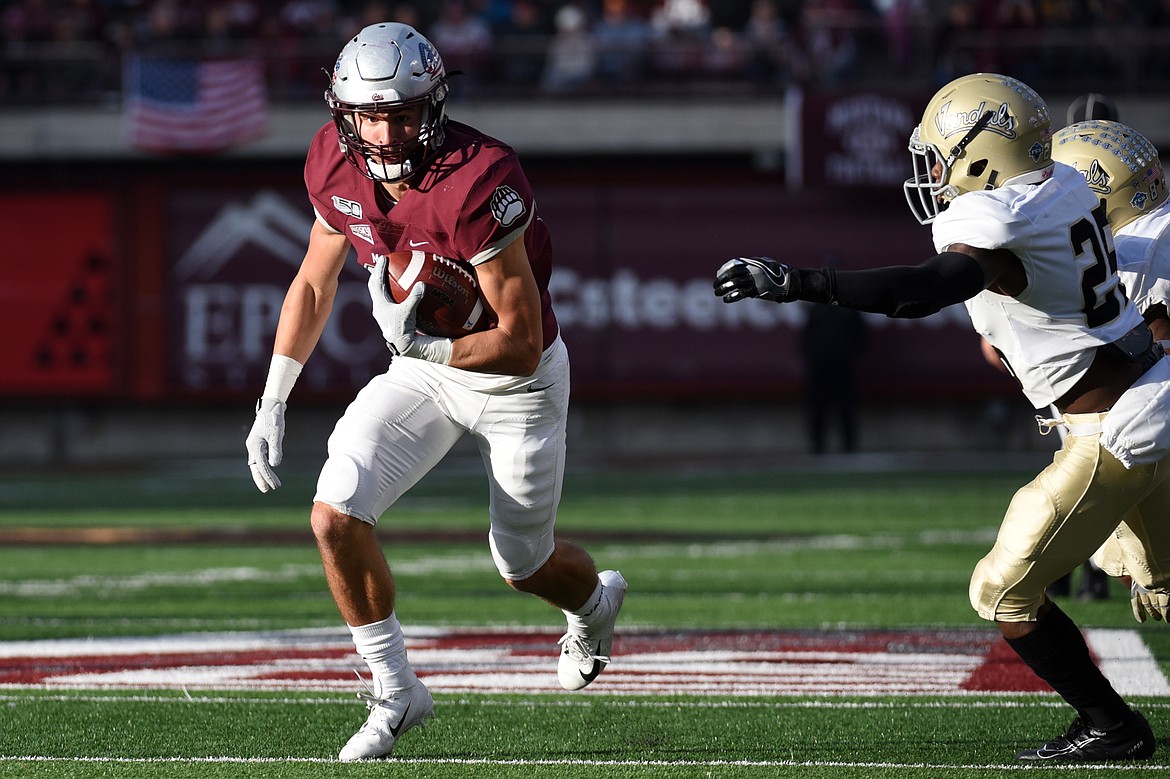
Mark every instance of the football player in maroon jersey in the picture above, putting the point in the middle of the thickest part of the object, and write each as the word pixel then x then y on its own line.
pixel 391 173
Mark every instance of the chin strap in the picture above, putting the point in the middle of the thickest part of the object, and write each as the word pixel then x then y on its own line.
pixel 965 141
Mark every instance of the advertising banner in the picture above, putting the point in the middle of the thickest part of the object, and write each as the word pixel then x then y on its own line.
pixel 852 140
pixel 632 288
pixel 59 298
pixel 232 254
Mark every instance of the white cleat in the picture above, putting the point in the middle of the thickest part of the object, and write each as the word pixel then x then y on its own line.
pixel 585 655
pixel 389 719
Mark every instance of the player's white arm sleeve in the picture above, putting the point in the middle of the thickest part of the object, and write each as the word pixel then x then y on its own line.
pixel 266 438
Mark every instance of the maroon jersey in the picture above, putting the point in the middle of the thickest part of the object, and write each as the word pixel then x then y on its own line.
pixel 469 202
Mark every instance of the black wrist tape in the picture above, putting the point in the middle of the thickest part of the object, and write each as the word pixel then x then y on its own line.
pixel 816 286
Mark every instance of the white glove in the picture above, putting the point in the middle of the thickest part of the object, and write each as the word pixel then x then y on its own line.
pixel 1154 604
pixel 396 320
pixel 265 443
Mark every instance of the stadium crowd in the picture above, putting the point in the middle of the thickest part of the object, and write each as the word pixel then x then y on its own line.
pixel 56 50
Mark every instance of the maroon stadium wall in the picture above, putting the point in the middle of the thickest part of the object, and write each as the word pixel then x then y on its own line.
pixel 166 280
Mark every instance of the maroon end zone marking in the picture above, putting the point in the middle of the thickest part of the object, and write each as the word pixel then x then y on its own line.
pixel 758 662
pixel 1002 669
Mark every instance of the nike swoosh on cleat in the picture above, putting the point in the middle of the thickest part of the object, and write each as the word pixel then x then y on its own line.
pixel 394 731
pixel 589 677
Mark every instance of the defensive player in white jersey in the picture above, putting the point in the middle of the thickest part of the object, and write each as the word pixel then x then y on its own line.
pixel 390 173
pixel 1095 583
pixel 1125 171
pixel 1025 244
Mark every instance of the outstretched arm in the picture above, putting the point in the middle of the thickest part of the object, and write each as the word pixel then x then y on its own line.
pixel 896 291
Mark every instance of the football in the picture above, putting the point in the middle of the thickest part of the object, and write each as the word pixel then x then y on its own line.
pixel 451 307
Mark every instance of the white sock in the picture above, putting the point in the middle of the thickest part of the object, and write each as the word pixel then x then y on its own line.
pixel 383 648
pixel 594 612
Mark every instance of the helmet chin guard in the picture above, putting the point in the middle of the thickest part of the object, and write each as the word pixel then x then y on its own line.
pixel 386 67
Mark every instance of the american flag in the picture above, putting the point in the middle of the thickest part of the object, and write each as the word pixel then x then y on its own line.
pixel 182 105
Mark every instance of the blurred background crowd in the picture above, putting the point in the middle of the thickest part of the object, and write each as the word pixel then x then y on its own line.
pixel 71 50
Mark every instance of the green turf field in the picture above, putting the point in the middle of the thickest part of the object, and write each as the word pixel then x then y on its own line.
pixel 827 552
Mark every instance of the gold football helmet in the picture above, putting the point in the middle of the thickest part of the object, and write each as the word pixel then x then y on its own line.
pixel 1121 166
pixel 978 132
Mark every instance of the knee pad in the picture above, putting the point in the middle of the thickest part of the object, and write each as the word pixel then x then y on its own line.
pixel 519 556
pixel 338 483
pixel 1003 596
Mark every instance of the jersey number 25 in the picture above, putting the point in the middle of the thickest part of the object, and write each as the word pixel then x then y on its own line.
pixel 1100 287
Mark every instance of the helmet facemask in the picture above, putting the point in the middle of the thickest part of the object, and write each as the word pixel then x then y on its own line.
pixel 979 132
pixel 397 160
pixel 384 68
pixel 927 196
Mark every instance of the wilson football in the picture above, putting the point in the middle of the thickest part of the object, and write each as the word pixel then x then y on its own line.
pixel 451 307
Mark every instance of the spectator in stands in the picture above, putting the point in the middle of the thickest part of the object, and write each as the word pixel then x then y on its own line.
pixel 572 54
pixel 372 12
pixel 901 22
pixel 523 45
pixel 310 18
pixel 301 28
pixel 27 21
pixel 680 32
pixel 955 43
pixel 465 40
pixel 830 37
pixel 723 58
pixel 164 23
pixel 623 37
pixel 773 55
pixel 1016 51
pixel 404 13
pixel 79 21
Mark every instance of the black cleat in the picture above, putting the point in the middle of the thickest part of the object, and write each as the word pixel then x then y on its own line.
pixel 1082 743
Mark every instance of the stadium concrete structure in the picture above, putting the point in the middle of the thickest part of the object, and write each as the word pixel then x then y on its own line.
pixel 84 432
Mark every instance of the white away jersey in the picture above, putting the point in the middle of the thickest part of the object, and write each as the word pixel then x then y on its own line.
pixel 1143 258
pixel 1073 302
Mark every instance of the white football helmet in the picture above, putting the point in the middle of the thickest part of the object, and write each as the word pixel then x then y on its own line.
pixel 981 131
pixel 1119 163
pixel 386 66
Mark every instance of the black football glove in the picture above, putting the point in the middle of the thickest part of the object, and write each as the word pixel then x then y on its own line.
pixel 757 277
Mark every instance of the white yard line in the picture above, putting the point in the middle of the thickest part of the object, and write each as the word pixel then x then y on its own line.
pixel 404 762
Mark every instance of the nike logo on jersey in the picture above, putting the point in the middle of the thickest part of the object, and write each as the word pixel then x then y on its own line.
pixel 540 389
pixel 418 243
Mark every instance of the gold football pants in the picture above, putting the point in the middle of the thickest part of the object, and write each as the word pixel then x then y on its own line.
pixel 1085 499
